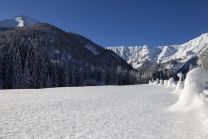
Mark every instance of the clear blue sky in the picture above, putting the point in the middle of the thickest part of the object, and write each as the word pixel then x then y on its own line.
pixel 118 22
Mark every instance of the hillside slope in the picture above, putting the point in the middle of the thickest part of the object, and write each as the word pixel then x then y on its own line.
pixel 61 46
pixel 42 55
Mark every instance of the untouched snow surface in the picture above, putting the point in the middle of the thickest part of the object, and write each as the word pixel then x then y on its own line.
pixel 117 112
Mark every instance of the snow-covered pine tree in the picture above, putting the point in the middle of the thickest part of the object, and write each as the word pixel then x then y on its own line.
pixel 115 77
pixel 40 71
pixel 102 77
pixel 61 74
pixel 8 67
pixel 32 65
pixel 190 66
pixel 44 71
pixel 126 78
pixel 131 77
pixel 79 76
pixel 26 76
pixel 119 73
pixel 49 82
pixel 66 79
pixel 72 75
pixel 17 72
pixel 47 60
pixel 96 74
pixel 23 51
pixel 1 69
pixel 139 78
pixel 110 76
pixel 54 74
pixel 46 67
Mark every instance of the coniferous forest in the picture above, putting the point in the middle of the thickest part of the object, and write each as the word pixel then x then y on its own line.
pixel 25 68
pixel 44 56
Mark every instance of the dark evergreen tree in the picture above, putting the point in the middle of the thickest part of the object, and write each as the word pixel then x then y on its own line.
pixel 32 65
pixel 72 76
pixel 40 71
pixel 102 77
pixel 54 75
pixel 8 67
pixel 1 74
pixel 17 72
pixel 26 76
pixel 79 77
pixel 49 82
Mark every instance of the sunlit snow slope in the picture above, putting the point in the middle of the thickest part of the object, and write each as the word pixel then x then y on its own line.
pixel 117 112
pixel 137 55
pixel 19 21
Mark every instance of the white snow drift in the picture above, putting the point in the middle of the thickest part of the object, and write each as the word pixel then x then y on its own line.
pixel 165 82
pixel 192 95
pixel 180 84
pixel 193 98
pixel 170 82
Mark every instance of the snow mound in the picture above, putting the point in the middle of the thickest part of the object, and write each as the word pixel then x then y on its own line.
pixel 180 75
pixel 156 81
pixel 165 82
pixel 19 21
pixel 192 95
pixel 150 82
pixel 180 84
pixel 161 82
pixel 170 82
pixel 192 99
pixel 174 84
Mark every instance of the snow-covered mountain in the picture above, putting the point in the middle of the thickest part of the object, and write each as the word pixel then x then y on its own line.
pixel 18 21
pixel 138 55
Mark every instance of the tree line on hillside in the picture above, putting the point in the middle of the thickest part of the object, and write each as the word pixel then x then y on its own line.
pixel 24 67
pixel 62 46
pixel 43 56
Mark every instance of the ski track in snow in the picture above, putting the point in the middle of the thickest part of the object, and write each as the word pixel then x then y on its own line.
pixel 113 112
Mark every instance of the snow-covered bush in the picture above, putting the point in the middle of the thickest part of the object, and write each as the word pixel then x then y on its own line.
pixel 174 84
pixel 193 98
pixel 180 75
pixel 156 81
pixel 180 84
pixel 161 82
pixel 150 82
pixel 170 82
pixel 165 82
pixel 192 95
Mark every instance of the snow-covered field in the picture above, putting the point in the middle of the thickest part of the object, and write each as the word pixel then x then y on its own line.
pixel 116 112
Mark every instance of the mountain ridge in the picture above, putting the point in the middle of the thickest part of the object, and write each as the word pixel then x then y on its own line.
pixel 18 21
pixel 137 55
